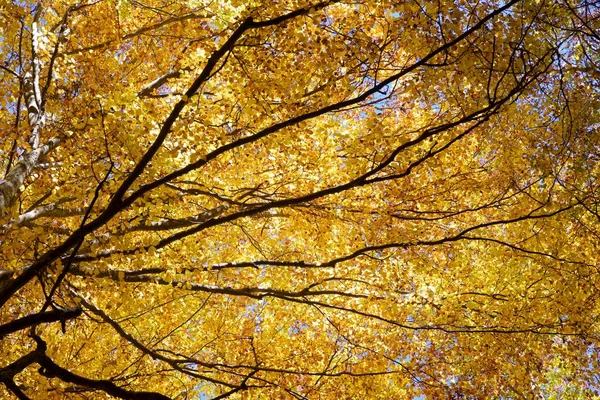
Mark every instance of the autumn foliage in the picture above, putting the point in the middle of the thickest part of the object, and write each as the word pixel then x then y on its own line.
pixel 293 199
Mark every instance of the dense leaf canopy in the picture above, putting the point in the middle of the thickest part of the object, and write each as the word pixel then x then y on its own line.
pixel 295 199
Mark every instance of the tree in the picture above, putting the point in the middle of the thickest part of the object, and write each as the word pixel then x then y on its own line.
pixel 338 199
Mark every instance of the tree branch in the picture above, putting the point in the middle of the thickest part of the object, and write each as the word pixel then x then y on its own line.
pixel 50 369
pixel 9 187
pixel 39 318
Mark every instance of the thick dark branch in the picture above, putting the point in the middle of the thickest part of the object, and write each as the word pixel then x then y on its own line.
pixel 52 370
pixel 7 373
pixel 39 318
pixel 12 387
pixel 252 292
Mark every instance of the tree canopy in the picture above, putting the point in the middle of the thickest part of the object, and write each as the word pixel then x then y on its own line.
pixel 299 199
